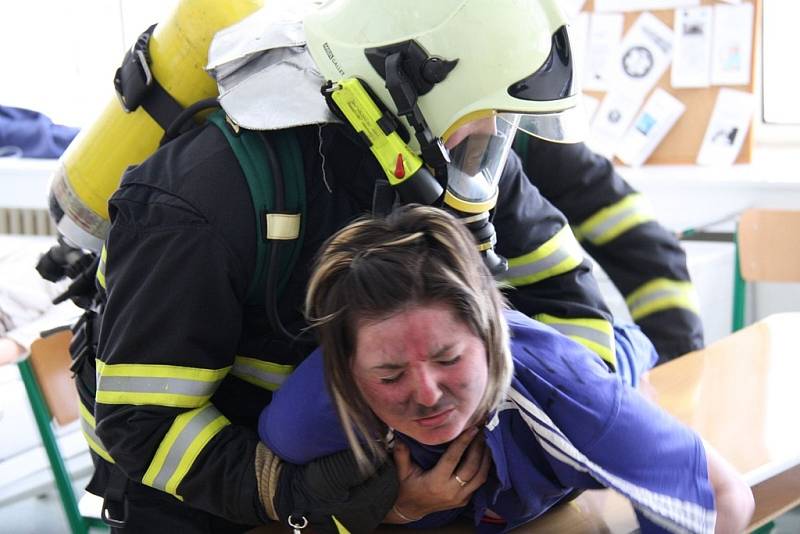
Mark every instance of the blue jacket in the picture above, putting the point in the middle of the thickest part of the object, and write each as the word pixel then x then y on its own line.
pixel 30 134
pixel 566 424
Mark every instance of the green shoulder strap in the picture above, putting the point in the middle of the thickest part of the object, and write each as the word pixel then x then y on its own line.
pixel 289 224
pixel 521 148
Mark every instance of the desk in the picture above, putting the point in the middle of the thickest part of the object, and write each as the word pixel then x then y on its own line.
pixel 741 394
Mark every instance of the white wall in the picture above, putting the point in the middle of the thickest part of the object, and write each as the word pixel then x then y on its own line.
pixel 59 57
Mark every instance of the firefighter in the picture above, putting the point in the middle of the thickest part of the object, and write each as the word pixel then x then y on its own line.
pixel 197 325
pixel 616 226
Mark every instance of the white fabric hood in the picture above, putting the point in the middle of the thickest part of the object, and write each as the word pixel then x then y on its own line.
pixel 265 75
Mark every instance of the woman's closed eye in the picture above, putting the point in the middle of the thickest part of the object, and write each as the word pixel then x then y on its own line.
pixel 444 362
pixel 391 379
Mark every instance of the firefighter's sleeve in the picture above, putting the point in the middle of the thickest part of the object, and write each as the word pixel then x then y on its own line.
pixel 616 226
pixel 168 339
pixel 552 280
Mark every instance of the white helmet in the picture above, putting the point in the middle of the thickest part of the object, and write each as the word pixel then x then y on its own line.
pixel 466 59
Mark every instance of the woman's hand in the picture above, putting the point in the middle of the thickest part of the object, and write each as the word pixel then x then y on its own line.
pixel 10 351
pixel 461 470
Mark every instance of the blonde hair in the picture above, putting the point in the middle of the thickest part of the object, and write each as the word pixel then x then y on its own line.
pixel 374 268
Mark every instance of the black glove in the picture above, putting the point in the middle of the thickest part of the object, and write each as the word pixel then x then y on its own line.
pixel 334 486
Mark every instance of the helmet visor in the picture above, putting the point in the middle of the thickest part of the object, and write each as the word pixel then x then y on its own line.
pixel 567 126
pixel 478 152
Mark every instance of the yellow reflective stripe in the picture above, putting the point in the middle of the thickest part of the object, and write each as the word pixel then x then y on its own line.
pixel 662 294
pixel 340 528
pixel 186 438
pixel 559 255
pixel 101 269
pixel 87 426
pixel 266 375
pixel 199 374
pixel 157 385
pixel 283 226
pixel 595 334
pixel 612 221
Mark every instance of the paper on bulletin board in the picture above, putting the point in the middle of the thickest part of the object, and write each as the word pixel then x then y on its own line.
pixel 682 144
pixel 655 120
pixel 727 128
pixel 642 57
pixel 732 44
pixel 691 62
pixel 611 121
pixel 604 36
pixel 641 5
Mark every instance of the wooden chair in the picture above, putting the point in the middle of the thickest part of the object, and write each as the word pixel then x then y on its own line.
pixel 51 392
pixel 767 250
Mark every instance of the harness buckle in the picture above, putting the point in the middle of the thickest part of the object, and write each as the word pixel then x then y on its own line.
pixel 105 514
pixel 133 79
pixel 115 494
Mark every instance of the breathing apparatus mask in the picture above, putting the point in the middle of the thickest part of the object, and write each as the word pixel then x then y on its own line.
pixel 439 105
pixel 464 170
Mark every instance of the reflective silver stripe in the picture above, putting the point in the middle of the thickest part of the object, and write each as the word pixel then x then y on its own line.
pixel 89 429
pixel 182 444
pixel 645 300
pixel 538 266
pixel 559 255
pixel 613 221
pixel 595 334
pixel 87 425
pixel 172 386
pixel 258 376
pixel 661 294
pixel 597 232
pixel 601 338
pixel 95 442
pixel 156 384
pixel 261 373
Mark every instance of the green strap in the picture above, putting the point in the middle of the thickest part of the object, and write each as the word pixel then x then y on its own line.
pixel 248 147
pixel 291 159
pixel 521 148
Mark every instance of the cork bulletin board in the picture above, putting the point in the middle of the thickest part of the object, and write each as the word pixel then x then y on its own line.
pixel 682 143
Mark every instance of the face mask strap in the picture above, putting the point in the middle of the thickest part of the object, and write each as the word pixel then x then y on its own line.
pixel 410 72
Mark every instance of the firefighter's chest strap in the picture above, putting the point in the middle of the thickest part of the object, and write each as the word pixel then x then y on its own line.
pixel 278 194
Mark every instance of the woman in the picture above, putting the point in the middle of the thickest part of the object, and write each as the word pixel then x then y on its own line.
pixel 421 352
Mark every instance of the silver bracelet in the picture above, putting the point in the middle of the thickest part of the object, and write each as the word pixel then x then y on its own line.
pixel 402 516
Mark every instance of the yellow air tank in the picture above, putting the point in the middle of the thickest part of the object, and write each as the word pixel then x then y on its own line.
pixel 91 168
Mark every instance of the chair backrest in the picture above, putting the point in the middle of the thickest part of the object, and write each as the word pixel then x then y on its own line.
pixel 768 250
pixel 51 392
pixel 769 245
pixel 50 361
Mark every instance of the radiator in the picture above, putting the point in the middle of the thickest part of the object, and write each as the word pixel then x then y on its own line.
pixel 26 221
